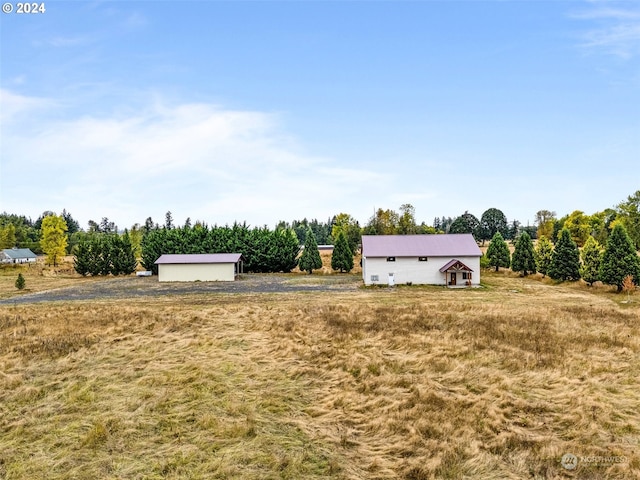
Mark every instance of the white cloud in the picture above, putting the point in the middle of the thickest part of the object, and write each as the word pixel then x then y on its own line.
pixel 197 160
pixel 616 28
pixel 13 106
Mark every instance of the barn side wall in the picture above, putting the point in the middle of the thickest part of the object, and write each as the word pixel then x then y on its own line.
pixel 410 269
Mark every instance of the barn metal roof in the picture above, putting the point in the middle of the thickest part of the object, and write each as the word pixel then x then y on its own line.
pixel 199 258
pixel 19 253
pixel 449 245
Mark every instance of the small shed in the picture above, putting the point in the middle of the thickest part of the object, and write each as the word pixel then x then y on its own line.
pixel 206 267
pixel 17 255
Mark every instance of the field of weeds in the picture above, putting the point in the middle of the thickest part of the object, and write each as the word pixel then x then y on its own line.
pixel 408 383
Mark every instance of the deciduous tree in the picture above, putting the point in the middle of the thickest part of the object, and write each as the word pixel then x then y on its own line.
pixel 492 221
pixel 349 227
pixel 466 223
pixel 545 220
pixel 8 236
pixel 628 286
pixel 579 226
pixel 383 222
pixel 407 220
pixel 54 238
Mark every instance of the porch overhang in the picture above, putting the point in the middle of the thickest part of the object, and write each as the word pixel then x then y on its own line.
pixel 455 265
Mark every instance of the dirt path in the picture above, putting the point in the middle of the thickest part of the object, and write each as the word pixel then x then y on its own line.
pixel 137 287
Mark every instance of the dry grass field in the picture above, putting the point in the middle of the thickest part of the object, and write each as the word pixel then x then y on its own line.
pixel 405 383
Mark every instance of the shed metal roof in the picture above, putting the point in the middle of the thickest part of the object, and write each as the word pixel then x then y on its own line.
pixel 19 253
pixel 449 245
pixel 199 258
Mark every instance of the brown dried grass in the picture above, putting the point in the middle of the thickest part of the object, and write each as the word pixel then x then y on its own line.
pixel 409 383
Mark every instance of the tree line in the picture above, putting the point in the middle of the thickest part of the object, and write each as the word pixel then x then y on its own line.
pixel 272 250
pixel 264 250
pixel 612 264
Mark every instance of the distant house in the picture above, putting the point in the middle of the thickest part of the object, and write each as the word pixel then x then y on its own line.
pixel 210 267
pixel 17 255
pixel 452 260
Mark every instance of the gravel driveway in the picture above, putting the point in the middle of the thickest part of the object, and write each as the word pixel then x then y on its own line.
pixel 137 287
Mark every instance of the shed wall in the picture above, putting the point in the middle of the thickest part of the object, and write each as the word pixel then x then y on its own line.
pixel 191 272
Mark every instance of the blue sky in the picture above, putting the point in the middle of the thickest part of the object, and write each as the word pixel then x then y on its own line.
pixel 265 111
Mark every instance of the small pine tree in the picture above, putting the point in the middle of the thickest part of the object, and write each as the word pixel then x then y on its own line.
pixel 310 259
pixel 20 282
pixel 565 259
pixel 342 258
pixel 591 258
pixel 619 259
pixel 544 249
pixel 498 252
pixel 524 259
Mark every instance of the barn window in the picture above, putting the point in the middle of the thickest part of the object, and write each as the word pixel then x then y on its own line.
pixel 422 259
pixel 391 259
pixel 374 278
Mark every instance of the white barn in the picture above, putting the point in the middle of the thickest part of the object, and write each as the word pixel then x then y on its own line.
pixel 209 267
pixel 17 255
pixel 452 260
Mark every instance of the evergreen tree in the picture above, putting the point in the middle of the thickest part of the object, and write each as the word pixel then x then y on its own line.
pixel 124 260
pixel 591 258
pixel 82 257
pixel 619 259
pixel 498 252
pixel 95 255
pixel 544 249
pixel 105 252
pixel 310 259
pixel 20 282
pixel 72 225
pixel 524 259
pixel 342 258
pixel 168 221
pixel 565 259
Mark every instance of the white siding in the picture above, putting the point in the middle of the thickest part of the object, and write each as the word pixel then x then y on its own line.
pixel 410 269
pixel 191 272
